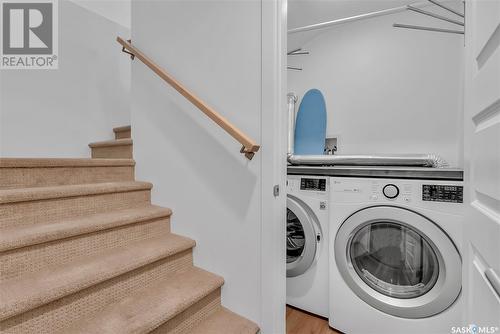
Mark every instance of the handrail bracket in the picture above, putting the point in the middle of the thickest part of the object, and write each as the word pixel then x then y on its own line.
pixel 124 50
pixel 249 152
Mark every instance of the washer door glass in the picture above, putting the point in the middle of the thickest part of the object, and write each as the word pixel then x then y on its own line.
pixel 295 237
pixel 301 237
pixel 394 259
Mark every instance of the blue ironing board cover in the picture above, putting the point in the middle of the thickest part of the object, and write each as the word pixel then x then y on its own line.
pixel 310 124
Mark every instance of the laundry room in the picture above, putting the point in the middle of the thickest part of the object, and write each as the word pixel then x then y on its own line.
pixel 380 146
pixel 387 90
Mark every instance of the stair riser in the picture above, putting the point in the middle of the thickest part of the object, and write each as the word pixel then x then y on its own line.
pixel 52 210
pixel 53 176
pixel 186 320
pixel 57 315
pixel 31 259
pixel 123 134
pixel 113 152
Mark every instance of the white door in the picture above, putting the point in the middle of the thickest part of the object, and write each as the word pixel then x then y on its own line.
pixel 482 157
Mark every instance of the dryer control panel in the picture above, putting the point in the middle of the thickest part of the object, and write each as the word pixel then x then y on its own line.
pixel 312 184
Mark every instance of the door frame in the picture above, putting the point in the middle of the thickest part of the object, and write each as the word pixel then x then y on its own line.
pixel 273 138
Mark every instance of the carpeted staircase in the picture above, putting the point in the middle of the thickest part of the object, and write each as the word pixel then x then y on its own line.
pixel 83 250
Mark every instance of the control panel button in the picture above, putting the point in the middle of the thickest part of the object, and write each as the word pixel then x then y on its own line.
pixel 390 191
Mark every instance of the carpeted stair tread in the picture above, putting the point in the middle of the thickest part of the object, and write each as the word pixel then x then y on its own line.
pixel 22 294
pixel 123 132
pixel 114 142
pixel 150 308
pixel 225 321
pixel 62 162
pixel 42 193
pixel 124 128
pixel 18 173
pixel 22 236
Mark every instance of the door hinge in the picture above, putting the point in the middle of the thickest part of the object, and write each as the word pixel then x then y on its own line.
pixel 276 190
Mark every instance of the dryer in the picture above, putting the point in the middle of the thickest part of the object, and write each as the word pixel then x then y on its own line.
pixel 307 243
pixel 395 264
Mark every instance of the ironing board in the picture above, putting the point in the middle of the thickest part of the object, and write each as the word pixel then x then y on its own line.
pixel 310 124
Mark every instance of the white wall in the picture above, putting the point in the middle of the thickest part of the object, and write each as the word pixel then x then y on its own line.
pixel 213 48
pixel 118 11
pixel 387 90
pixel 56 113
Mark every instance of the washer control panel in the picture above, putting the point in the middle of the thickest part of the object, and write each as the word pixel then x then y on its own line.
pixel 442 193
pixel 429 194
pixel 401 192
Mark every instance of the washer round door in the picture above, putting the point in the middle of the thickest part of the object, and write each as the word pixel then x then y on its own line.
pixel 302 237
pixel 398 261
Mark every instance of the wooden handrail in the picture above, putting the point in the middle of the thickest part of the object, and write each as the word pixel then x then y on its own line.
pixel 249 146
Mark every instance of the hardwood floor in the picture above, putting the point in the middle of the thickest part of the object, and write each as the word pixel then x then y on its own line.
pixel 300 322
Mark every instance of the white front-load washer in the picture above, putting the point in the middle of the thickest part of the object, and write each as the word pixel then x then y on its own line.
pixel 395 264
pixel 307 243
